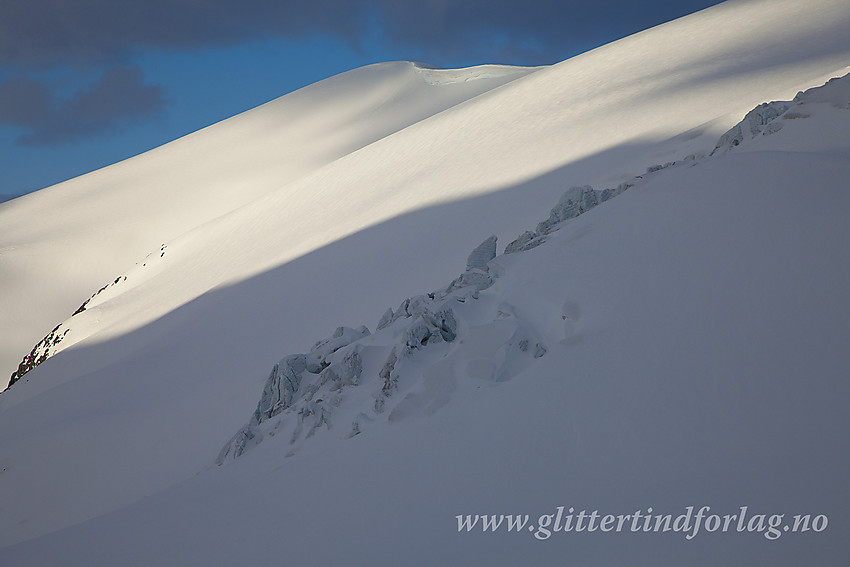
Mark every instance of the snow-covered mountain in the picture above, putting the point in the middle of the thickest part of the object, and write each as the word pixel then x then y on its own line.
pixel 108 221
pixel 670 334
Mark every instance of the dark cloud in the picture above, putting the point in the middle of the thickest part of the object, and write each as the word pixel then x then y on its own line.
pixel 120 95
pixel 48 32
pixel 543 31
pixel 23 101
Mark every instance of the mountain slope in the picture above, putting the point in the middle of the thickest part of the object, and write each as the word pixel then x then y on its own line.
pixel 711 379
pixel 677 369
pixel 607 106
pixel 108 220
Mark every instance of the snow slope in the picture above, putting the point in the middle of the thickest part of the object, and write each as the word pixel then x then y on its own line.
pixel 699 362
pixel 656 96
pixel 87 231
pixel 713 378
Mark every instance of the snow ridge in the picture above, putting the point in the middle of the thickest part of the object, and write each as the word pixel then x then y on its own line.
pixel 436 76
pixel 306 390
pixel 763 120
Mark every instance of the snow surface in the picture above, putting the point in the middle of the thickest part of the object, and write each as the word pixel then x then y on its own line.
pixel 106 222
pixel 695 325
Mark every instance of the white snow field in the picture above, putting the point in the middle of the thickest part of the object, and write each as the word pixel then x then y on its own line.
pixel 682 343
pixel 85 232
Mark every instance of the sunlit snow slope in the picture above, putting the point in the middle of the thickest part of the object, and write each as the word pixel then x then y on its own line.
pixel 694 324
pixel 61 244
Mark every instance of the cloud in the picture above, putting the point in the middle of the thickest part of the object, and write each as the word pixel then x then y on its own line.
pixel 50 32
pixel 120 96
pixel 23 101
pixel 542 31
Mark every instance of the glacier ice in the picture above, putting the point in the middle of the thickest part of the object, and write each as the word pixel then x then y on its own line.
pixel 754 123
pixel 343 336
pixel 525 241
pixel 575 201
pixel 762 120
pixel 482 254
pixel 386 319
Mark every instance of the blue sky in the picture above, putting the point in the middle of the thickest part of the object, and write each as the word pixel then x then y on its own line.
pixel 86 83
